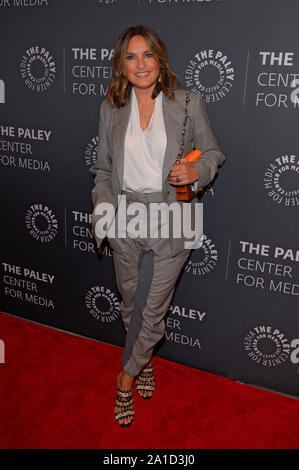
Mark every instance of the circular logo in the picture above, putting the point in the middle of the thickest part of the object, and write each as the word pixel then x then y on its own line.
pixel 266 346
pixel 41 223
pixel 102 304
pixel 90 153
pixel 210 73
pixel 281 180
pixel 204 259
pixel 38 68
pixel 107 2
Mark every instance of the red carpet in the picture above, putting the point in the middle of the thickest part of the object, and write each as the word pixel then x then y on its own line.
pixel 58 392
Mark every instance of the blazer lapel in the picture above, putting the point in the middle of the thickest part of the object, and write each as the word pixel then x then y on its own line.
pixel 121 121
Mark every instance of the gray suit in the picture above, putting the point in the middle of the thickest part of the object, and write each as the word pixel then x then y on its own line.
pixel 147 269
pixel 109 166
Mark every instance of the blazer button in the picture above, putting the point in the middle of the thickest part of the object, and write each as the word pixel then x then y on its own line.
pixel 167 193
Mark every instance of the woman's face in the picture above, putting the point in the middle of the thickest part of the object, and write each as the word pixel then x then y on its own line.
pixel 141 68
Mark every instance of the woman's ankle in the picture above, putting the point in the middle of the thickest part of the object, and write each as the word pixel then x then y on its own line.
pixel 125 380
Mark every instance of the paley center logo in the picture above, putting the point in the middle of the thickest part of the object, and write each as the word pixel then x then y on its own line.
pixel 210 73
pixel 90 153
pixel 41 222
pixel 108 2
pixel 23 3
pixel 90 69
pixel 175 324
pixel 38 68
pixel 281 180
pixel 102 304
pixel 204 260
pixel 277 80
pixel 270 347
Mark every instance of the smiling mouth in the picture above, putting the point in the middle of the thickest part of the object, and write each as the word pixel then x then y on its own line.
pixel 142 74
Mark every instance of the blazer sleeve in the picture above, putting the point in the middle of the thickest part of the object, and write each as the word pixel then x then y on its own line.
pixel 204 140
pixel 102 169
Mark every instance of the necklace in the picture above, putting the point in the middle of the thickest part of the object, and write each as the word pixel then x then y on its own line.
pixel 148 112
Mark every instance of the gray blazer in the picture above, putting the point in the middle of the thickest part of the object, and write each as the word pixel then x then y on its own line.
pixel 109 166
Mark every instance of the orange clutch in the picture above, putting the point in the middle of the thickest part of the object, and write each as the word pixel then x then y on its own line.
pixel 185 193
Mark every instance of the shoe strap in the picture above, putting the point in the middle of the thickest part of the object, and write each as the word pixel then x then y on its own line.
pixel 124 393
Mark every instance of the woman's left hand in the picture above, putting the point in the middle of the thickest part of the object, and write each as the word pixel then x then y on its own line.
pixel 185 171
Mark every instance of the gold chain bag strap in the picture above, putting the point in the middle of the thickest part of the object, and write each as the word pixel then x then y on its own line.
pixel 185 192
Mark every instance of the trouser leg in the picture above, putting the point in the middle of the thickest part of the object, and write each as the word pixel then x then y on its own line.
pixel 126 273
pixel 146 276
pixel 157 276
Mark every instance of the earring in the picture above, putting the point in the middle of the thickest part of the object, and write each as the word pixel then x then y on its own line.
pixel 159 79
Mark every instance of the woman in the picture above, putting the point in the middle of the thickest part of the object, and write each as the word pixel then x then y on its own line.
pixel 139 138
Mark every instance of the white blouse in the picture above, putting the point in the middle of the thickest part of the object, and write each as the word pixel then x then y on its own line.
pixel 144 150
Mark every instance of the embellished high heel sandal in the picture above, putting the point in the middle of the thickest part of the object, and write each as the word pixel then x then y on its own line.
pixel 124 401
pixel 145 382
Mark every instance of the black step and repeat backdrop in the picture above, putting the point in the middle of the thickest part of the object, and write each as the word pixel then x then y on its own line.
pixel 235 309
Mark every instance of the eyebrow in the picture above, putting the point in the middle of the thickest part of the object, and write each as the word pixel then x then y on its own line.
pixel 133 53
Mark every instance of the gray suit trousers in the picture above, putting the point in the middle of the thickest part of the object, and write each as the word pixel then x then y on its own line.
pixel 146 275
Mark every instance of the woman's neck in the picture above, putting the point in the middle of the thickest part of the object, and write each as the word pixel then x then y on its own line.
pixel 144 95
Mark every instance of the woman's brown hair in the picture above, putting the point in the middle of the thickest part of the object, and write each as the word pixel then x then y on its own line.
pixel 120 88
